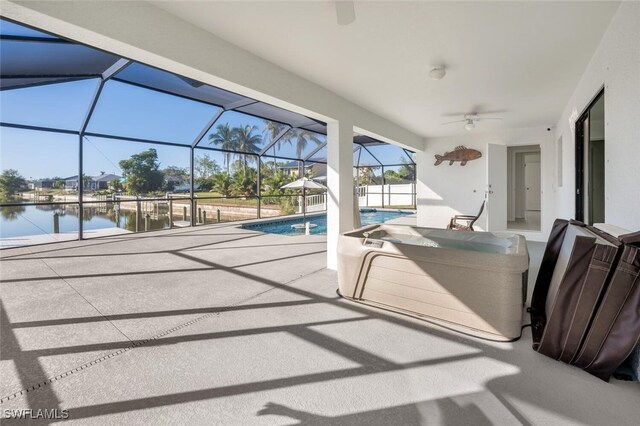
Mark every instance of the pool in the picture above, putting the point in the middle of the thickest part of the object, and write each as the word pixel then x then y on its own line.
pixel 283 226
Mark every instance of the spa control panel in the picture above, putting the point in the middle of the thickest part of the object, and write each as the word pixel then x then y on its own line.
pixel 373 243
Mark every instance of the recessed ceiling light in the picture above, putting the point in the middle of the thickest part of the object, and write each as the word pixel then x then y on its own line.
pixel 437 73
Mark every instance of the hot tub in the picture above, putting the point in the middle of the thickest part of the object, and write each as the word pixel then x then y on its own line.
pixel 474 282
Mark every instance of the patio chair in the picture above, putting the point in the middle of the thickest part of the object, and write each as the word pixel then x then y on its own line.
pixel 470 220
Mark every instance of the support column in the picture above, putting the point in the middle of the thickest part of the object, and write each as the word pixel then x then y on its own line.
pixel 423 193
pixel 80 189
pixel 258 186
pixel 192 187
pixel 340 186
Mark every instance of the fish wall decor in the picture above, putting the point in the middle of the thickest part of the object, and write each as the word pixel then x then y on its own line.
pixel 461 153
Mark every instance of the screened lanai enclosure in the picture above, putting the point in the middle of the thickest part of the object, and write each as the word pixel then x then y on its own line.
pixel 95 144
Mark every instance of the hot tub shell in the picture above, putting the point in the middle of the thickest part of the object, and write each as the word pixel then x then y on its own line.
pixel 474 282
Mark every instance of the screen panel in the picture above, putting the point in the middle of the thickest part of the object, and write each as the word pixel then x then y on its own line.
pixel 34 59
pixel 235 131
pixel 26 159
pixel 57 106
pixel 183 86
pixel 131 111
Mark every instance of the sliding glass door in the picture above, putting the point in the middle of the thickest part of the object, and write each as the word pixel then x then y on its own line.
pixel 590 163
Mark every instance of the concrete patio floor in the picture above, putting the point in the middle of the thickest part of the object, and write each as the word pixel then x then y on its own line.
pixel 222 325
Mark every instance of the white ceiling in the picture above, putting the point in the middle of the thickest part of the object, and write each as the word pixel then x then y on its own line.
pixel 516 60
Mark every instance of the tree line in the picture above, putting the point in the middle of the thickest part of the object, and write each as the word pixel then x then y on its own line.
pixel 240 146
pixel 235 177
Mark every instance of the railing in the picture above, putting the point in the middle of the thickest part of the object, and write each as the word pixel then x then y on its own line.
pixel 315 203
pixel 131 213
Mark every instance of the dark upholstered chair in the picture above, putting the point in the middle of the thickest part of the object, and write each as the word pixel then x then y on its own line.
pixel 463 222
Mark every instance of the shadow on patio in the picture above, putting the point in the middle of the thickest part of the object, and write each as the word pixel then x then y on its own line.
pixel 173 329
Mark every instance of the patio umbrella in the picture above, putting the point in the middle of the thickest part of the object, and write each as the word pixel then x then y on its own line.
pixel 304 184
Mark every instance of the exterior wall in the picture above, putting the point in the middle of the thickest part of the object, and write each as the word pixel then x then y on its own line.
pixel 89 184
pixel 71 184
pixel 444 191
pixel 41 184
pixel 616 67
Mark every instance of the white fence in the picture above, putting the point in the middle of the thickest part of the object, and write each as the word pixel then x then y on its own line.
pixel 387 195
pixel 369 196
pixel 315 203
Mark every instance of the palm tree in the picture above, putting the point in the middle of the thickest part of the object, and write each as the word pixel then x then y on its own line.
pixel 407 170
pixel 366 176
pixel 247 141
pixel 302 138
pixel 225 138
pixel 222 183
pixel 272 130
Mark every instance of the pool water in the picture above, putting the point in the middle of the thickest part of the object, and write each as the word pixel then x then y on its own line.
pixel 283 226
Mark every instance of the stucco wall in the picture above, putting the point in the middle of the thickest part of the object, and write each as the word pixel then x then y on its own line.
pixel 444 190
pixel 616 66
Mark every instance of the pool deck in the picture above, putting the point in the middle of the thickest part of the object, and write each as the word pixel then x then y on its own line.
pixel 224 325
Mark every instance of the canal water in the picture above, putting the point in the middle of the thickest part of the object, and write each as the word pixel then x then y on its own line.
pixel 23 221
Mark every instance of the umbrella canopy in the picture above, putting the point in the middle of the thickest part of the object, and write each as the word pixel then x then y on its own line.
pixel 304 183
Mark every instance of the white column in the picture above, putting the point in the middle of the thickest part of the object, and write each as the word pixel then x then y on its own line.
pixel 422 190
pixel 340 185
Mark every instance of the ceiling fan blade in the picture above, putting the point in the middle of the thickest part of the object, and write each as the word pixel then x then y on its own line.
pixel 345 12
pixel 454 114
pixel 486 118
pixel 452 122
pixel 484 110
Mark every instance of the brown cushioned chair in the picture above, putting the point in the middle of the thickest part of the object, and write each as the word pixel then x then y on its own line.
pixel 470 220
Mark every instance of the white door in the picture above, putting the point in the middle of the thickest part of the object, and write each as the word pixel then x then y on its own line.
pixel 496 187
pixel 532 186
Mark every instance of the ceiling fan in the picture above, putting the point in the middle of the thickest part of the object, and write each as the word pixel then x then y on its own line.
pixel 470 119
pixel 345 12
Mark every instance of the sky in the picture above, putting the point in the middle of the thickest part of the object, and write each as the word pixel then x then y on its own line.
pixel 123 110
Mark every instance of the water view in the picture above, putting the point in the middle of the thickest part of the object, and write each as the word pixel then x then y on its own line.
pixel 23 221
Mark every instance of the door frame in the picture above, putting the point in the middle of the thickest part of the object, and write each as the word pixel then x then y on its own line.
pixel 580 154
pixel 543 178
pixel 495 165
pixel 539 183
